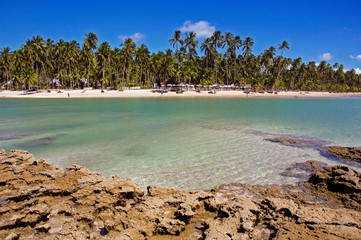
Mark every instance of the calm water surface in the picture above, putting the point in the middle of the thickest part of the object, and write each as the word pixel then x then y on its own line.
pixel 184 143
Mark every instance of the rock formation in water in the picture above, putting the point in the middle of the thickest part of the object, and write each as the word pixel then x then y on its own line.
pixel 350 153
pixel 41 201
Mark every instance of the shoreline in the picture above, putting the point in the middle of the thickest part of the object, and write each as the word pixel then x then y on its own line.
pixel 147 93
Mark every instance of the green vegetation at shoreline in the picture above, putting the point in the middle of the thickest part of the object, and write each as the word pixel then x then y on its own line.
pixel 219 59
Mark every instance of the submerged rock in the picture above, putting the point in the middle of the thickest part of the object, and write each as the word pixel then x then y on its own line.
pixel 299 142
pixel 303 170
pixel 39 200
pixel 9 135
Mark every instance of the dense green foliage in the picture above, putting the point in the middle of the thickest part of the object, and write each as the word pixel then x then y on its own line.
pixel 223 59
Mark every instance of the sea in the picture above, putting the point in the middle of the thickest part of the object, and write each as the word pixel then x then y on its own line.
pixel 185 143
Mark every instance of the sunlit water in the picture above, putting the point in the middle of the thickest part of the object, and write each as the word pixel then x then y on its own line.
pixel 184 143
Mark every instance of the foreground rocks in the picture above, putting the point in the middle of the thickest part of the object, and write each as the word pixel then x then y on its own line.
pixel 41 201
pixel 349 153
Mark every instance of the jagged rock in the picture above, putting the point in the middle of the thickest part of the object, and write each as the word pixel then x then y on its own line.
pixel 340 179
pixel 285 205
pixel 41 201
pixel 352 153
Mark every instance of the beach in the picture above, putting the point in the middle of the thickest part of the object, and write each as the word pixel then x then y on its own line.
pixel 149 93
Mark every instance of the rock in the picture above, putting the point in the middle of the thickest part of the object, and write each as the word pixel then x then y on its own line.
pixel 303 170
pixel 351 153
pixel 41 201
pixel 13 236
pixel 169 226
pixel 340 179
pixel 299 142
pixel 343 182
pixel 285 205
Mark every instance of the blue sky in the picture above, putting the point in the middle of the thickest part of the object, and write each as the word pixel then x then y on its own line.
pixel 315 30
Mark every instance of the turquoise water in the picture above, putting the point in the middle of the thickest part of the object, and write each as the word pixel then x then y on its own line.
pixel 184 143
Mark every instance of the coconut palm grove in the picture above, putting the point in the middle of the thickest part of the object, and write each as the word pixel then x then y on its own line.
pixel 222 58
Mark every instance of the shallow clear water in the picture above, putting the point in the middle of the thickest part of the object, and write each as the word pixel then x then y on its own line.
pixel 184 143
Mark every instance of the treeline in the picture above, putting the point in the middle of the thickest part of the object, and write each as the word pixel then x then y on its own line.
pixel 219 59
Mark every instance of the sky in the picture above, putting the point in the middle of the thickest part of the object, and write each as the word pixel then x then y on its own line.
pixel 315 30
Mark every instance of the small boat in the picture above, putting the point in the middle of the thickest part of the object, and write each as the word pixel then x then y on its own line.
pixel 179 92
pixel 270 92
pixel 212 92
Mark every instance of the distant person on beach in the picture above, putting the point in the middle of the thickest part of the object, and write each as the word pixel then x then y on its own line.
pixel 68 95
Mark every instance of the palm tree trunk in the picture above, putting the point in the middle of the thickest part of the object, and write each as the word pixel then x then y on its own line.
pixel 70 76
pixel 89 73
pixel 103 77
pixel 227 71
pixel 110 75
pixel 128 77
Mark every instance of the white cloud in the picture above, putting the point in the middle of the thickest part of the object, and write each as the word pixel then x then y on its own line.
pixel 326 57
pixel 357 70
pixel 136 37
pixel 201 28
pixel 358 57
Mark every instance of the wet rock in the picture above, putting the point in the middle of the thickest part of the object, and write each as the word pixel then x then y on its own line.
pixel 9 135
pixel 299 142
pixel 303 170
pixel 351 153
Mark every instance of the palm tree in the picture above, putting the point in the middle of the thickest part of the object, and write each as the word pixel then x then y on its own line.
pixel 237 44
pixel 70 53
pixel 19 61
pixel 128 51
pixel 218 42
pixel 229 40
pixel 283 46
pixel 103 58
pixel 59 55
pixel 266 60
pixel 191 43
pixel 39 48
pixel 206 48
pixel 90 44
pixel 296 65
pixel 6 62
pixel 175 40
pixel 142 56
pixel 247 50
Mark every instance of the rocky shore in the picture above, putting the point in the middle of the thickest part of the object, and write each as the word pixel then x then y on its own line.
pixel 42 201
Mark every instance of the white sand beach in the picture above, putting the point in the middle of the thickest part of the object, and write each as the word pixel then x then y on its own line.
pixel 148 93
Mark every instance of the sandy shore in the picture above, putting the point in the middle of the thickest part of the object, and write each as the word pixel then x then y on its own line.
pixel 150 94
